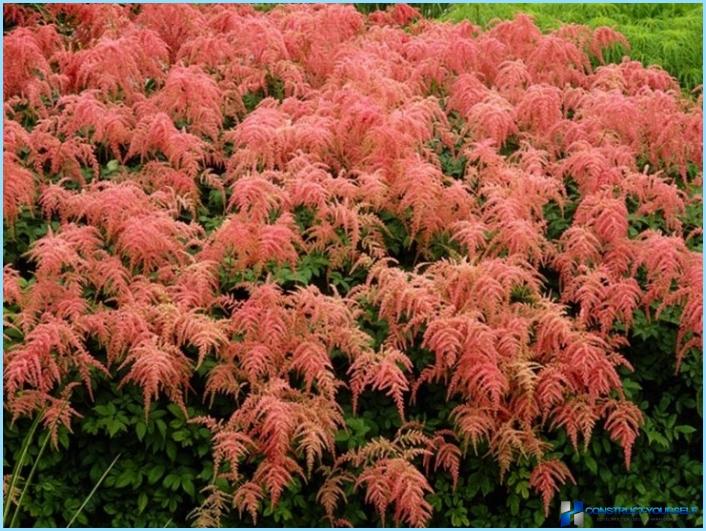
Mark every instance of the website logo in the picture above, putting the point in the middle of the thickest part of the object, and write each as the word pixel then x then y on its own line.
pixel 567 513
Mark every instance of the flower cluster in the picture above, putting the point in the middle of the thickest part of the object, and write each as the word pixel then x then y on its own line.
pixel 515 164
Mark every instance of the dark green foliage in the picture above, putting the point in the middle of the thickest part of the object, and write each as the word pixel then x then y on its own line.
pixel 166 461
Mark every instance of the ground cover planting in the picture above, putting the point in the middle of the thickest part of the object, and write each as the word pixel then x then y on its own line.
pixel 663 34
pixel 307 266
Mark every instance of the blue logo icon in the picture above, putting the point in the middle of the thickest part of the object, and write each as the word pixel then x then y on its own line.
pixel 567 513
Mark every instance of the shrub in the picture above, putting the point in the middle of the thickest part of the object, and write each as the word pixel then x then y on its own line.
pixel 305 262
pixel 668 35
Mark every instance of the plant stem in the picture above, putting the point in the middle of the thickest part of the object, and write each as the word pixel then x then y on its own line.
pixel 93 491
pixel 29 480
pixel 19 464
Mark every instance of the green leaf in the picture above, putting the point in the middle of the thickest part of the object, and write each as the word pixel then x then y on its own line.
pixel 605 474
pixel 524 490
pixel 142 502
pixel 124 479
pixel 115 426
pixel 660 439
pixel 176 411
pixel 171 450
pixel 641 488
pixel 161 426
pixel 514 504
pixel 538 518
pixel 155 473
pixel 102 410
pixel 188 486
pixel 171 481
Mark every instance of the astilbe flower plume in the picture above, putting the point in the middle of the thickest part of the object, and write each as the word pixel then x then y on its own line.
pixel 119 133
